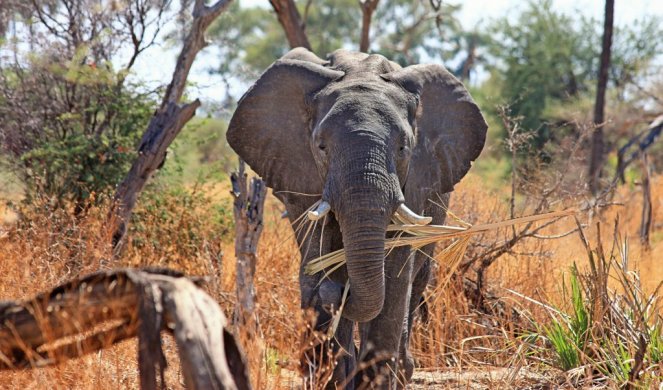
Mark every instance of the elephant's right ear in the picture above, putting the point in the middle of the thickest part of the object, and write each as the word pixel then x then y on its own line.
pixel 271 127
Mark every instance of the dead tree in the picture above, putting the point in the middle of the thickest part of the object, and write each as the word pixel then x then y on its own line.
pixel 248 209
pixel 598 147
pixel 291 21
pixel 166 123
pixel 647 213
pixel 367 9
pixel 94 312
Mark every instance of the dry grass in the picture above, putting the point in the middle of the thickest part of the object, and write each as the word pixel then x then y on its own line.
pixel 416 237
pixel 457 339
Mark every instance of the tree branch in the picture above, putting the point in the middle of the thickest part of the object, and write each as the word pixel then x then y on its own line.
pixel 165 125
pixel 367 9
pixel 291 21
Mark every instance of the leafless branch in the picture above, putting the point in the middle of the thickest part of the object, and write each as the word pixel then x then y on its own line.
pixel 291 21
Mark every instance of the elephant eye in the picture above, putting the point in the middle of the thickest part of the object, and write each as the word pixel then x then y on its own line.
pixel 403 151
pixel 322 147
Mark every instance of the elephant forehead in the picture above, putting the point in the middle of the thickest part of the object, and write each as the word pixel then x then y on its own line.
pixel 354 62
pixel 364 111
pixel 367 92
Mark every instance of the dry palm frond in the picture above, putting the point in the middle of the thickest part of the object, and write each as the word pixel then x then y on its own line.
pixel 336 319
pixel 420 236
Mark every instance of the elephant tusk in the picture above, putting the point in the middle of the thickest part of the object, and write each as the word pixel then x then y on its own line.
pixel 319 212
pixel 411 217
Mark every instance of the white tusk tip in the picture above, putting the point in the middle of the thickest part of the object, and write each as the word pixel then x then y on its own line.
pixel 319 212
pixel 408 216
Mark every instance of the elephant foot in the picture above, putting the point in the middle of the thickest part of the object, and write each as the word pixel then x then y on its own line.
pixel 405 371
pixel 329 361
pixel 326 365
pixel 377 372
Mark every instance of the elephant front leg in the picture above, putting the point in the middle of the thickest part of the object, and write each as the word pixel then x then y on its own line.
pixel 331 360
pixel 328 359
pixel 421 271
pixel 381 337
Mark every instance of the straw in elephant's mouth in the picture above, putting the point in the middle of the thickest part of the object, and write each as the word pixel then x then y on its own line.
pixel 418 236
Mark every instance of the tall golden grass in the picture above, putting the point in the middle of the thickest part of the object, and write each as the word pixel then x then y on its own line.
pixel 45 250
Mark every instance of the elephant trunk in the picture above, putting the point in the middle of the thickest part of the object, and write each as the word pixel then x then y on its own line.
pixel 364 200
pixel 364 251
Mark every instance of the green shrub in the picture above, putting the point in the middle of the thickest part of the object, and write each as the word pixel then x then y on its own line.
pixel 78 165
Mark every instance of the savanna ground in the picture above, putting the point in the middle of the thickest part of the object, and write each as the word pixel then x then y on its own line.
pixel 460 346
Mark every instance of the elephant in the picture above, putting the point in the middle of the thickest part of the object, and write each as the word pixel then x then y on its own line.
pixel 366 140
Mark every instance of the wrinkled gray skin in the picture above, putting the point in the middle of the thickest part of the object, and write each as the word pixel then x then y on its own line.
pixel 366 135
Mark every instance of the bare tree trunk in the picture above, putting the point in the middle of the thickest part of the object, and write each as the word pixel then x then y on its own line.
pixel 598 147
pixel 165 125
pixel 367 9
pixel 645 224
pixel 288 15
pixel 96 311
pixel 248 209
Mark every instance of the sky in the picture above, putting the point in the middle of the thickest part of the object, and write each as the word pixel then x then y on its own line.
pixel 156 65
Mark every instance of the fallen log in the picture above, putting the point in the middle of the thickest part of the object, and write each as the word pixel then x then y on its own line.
pixel 96 311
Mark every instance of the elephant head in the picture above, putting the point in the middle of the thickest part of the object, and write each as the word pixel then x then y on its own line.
pixel 359 131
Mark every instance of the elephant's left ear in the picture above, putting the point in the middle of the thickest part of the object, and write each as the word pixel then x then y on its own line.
pixel 449 126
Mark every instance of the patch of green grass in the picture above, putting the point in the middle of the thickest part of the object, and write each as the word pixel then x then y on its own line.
pixel 614 331
pixel 272 358
pixel 568 332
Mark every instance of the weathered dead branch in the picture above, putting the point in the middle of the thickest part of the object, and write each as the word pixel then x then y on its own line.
pixel 102 309
pixel 647 211
pixel 635 146
pixel 248 209
pixel 166 123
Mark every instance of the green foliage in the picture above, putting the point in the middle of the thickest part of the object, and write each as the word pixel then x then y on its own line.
pixel 562 341
pixel 656 344
pixel 200 152
pixel 408 31
pixel 580 316
pixel 70 119
pixel 71 128
pixel 249 40
pixel 70 164
pixel 545 60
pixel 331 25
pixel 541 58
pixel 569 333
